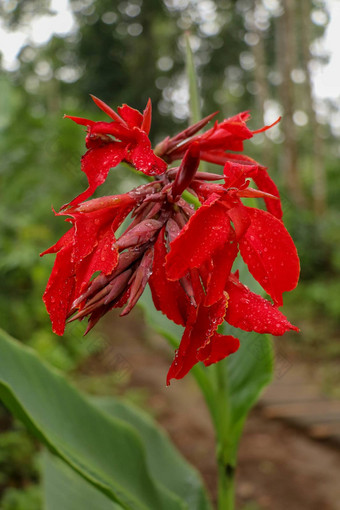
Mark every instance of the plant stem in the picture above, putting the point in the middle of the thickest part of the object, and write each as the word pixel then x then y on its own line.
pixel 225 454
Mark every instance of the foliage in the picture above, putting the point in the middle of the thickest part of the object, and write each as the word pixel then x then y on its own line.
pixel 28 498
pixel 136 483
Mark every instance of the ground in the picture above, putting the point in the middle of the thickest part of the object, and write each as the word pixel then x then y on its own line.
pixel 279 468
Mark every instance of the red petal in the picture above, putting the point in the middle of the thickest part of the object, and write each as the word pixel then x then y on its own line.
pixel 106 109
pixel 142 156
pixel 91 227
pixel 251 312
pixel 65 240
pixel 223 260
pixel 270 254
pixel 219 347
pixel 96 164
pixel 146 124
pixel 235 174
pixel 265 183
pixel 132 117
pixel 206 231
pixel 80 120
pixel 201 326
pixel 59 293
pixel 264 128
pixel 240 218
pixel 168 297
pixel 112 128
pixel 103 258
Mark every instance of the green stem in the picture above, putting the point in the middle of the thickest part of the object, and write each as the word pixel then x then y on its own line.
pixel 225 453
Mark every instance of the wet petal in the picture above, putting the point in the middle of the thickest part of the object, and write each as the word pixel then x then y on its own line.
pixel 240 218
pixel 206 231
pixel 222 260
pixel 132 117
pixel 251 312
pixel 235 174
pixel 202 324
pixel 265 183
pixel 96 164
pixel 112 128
pixel 142 156
pixel 270 254
pixel 168 296
pixel 218 348
pixel 59 293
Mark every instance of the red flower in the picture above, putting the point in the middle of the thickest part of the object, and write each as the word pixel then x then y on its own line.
pixel 125 138
pixel 186 256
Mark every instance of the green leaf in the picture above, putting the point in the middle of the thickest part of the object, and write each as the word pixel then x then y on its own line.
pixel 248 371
pixel 195 107
pixel 166 464
pixel 104 450
pixel 64 489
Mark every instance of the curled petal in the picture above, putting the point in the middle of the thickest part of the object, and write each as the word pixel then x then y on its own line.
pixel 265 183
pixel 270 254
pixel 235 174
pixel 218 348
pixel 265 128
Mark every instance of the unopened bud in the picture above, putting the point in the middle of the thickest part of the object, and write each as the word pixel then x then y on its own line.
pixel 187 170
pixel 140 280
pixel 140 234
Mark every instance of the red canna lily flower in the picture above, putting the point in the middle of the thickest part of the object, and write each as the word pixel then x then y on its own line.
pixel 185 255
pixel 125 138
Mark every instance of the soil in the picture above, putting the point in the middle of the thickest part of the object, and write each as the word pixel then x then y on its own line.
pixel 279 467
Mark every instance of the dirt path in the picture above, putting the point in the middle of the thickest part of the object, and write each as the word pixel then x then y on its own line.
pixel 279 468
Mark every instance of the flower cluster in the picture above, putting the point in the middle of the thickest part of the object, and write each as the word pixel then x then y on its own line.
pixel 185 255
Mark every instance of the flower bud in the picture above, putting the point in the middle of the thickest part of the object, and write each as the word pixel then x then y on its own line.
pixel 187 170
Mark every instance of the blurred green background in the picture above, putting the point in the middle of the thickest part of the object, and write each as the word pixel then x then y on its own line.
pixel 250 55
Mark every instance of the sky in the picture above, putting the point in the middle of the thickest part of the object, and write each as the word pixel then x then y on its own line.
pixel 325 77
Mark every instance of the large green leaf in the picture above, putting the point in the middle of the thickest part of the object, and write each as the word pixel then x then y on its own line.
pixel 65 489
pixel 165 463
pixel 247 372
pixel 104 450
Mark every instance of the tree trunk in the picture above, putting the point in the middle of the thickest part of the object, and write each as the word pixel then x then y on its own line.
pixel 286 58
pixel 319 171
pixel 262 95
